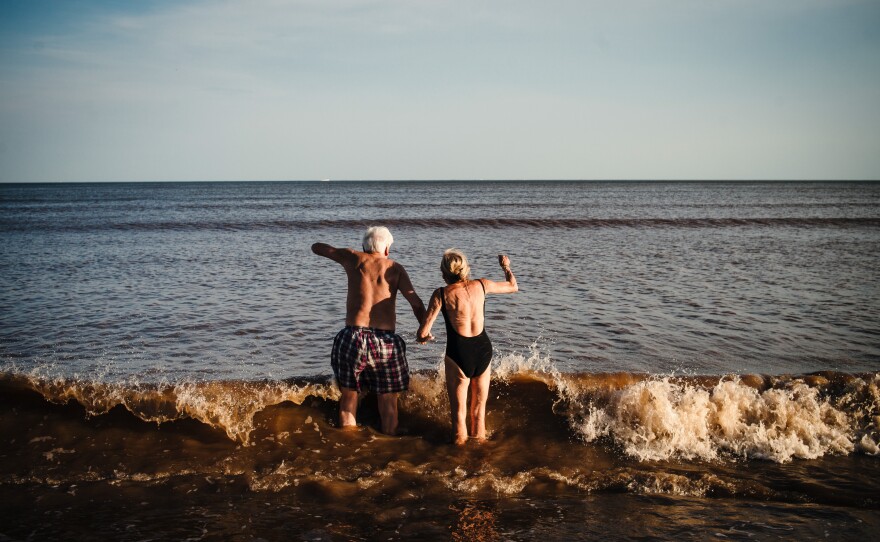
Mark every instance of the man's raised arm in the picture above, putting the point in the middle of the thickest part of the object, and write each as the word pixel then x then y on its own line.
pixel 327 251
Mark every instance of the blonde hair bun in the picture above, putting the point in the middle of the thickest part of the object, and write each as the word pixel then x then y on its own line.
pixel 454 266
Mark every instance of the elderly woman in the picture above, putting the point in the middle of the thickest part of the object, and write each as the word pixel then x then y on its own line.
pixel 468 348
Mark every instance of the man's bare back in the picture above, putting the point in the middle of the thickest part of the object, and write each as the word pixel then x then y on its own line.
pixel 373 282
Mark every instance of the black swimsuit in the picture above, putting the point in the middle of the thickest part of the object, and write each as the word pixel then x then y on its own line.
pixel 471 354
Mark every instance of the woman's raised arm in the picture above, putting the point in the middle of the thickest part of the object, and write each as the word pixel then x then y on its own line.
pixel 509 286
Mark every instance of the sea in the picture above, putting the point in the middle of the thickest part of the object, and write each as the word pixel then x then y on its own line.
pixel 683 361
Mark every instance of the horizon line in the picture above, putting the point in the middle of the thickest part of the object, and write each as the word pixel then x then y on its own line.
pixel 498 180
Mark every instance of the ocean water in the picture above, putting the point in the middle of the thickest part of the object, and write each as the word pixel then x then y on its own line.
pixel 699 359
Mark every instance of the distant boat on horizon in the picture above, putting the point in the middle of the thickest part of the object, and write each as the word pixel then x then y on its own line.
pixel 325 180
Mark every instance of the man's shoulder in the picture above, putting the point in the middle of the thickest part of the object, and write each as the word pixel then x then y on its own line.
pixel 397 266
pixel 349 258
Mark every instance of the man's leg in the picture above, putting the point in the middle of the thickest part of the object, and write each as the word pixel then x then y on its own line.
pixel 345 360
pixel 457 387
pixel 348 405
pixel 388 412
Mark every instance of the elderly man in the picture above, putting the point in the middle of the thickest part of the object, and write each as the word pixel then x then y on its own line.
pixel 367 350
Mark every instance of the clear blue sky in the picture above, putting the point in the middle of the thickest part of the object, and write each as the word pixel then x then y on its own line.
pixel 410 89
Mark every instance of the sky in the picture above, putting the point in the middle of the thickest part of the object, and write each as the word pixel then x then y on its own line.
pixel 417 89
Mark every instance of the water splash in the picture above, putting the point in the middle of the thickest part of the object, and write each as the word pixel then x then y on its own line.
pixel 662 417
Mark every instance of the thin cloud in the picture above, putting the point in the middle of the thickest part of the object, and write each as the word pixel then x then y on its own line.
pixel 403 89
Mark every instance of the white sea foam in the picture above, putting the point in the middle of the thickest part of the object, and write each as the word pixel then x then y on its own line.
pixel 232 407
pixel 661 418
pixel 460 480
pixel 226 405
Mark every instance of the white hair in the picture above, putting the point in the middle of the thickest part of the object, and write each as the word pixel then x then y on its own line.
pixel 377 239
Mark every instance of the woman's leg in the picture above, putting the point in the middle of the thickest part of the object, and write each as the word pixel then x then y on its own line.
pixel 479 395
pixel 457 387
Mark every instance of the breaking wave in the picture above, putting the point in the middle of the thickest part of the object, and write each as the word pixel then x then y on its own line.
pixel 646 417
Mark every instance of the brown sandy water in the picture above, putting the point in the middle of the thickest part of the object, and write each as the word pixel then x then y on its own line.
pixel 69 474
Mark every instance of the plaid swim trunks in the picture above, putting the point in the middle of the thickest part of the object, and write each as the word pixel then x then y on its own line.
pixel 376 357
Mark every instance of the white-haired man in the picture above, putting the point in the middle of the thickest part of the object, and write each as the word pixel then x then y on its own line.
pixel 367 350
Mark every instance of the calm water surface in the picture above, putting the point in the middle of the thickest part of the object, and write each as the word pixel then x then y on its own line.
pixel 216 280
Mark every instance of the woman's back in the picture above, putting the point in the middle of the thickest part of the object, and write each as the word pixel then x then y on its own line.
pixel 465 303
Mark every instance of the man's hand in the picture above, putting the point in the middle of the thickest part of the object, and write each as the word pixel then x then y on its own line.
pixel 503 260
pixel 426 339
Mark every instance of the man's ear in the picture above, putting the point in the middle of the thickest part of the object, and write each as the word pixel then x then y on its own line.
pixel 387 250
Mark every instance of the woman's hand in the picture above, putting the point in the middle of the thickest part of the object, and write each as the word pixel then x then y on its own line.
pixel 426 339
pixel 504 261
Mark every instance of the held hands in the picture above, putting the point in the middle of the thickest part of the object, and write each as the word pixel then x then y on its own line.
pixel 504 261
pixel 424 340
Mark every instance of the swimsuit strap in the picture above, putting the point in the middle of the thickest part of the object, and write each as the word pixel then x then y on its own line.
pixel 442 292
pixel 450 329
